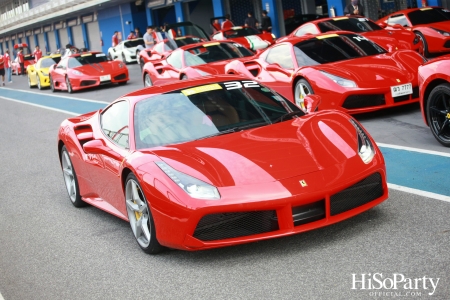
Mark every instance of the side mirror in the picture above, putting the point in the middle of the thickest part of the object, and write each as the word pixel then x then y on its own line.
pixel 382 24
pixel 98 147
pixel 312 103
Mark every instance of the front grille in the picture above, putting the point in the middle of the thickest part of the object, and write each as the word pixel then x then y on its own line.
pixel 361 101
pixel 87 82
pixel 105 82
pixel 447 44
pixel 120 77
pixel 230 225
pixel 401 98
pixel 358 194
pixel 308 213
pixel 133 56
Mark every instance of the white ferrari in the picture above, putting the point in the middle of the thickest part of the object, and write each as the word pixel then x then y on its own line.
pixel 126 50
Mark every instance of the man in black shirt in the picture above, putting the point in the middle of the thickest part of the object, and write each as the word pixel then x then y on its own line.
pixel 266 22
pixel 354 8
pixel 250 21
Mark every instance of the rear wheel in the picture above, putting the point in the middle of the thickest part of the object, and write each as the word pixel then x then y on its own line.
pixel 69 86
pixel 147 80
pixel 424 42
pixel 302 89
pixel 438 113
pixel 140 217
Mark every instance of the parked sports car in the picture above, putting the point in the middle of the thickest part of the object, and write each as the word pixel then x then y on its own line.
pixel 175 36
pixel 125 50
pixel 390 38
pixel 201 59
pixel 431 24
pixel 349 71
pixel 434 82
pixel 38 73
pixel 219 161
pixel 86 70
pixel 246 36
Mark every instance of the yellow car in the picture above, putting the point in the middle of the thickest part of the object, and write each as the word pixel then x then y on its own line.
pixel 38 73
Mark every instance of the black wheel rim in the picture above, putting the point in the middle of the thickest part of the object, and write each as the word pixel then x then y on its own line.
pixel 440 116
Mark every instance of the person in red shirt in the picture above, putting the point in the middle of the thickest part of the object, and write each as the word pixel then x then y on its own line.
pixel 21 61
pixel 131 36
pixel 2 68
pixel 227 24
pixel 216 25
pixel 37 54
pixel 8 66
pixel 115 38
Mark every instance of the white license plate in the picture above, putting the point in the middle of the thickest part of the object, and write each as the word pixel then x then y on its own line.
pixel 401 90
pixel 105 78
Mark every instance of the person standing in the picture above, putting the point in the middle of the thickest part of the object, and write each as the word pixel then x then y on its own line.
pixel 148 38
pixel 21 61
pixel 250 21
pixel 2 68
pixel 131 36
pixel 354 8
pixel 8 66
pixel 227 24
pixel 37 54
pixel 266 22
pixel 137 33
pixel 115 38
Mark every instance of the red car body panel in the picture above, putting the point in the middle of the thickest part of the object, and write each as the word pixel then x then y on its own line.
pixel 87 76
pixel 374 75
pixel 390 38
pixel 253 41
pixel 269 181
pixel 435 41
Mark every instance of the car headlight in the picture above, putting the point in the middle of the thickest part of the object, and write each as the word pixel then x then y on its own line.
pixel 365 147
pixel 192 186
pixel 44 74
pixel 75 72
pixel 203 73
pixel 339 80
pixel 444 33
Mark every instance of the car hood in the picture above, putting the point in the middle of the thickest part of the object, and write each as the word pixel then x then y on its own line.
pixel 267 154
pixel 391 38
pixel 372 71
pixel 100 68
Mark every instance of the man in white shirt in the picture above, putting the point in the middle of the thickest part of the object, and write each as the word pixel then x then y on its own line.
pixel 148 38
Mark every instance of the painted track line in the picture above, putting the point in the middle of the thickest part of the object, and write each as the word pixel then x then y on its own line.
pixel 59 96
pixel 419 192
pixel 40 106
pixel 413 149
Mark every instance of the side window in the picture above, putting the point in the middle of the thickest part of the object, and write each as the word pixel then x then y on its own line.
pixel 281 55
pixel 73 63
pixel 174 59
pixel 114 123
pixel 310 28
pixel 62 64
pixel 398 19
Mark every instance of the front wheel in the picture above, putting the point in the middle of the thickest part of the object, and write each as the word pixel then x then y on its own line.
pixel 38 82
pixel 302 89
pixel 69 86
pixel 29 82
pixel 424 43
pixel 70 179
pixel 147 80
pixel 140 217
pixel 52 85
pixel 438 113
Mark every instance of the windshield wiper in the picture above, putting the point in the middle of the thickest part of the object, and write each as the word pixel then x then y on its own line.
pixel 287 115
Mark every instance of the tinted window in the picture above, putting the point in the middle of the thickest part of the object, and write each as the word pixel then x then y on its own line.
pixel 87 59
pixel 175 59
pixel 214 52
pixel 281 55
pixel 398 19
pixel 240 32
pixel 114 122
pixel 348 24
pixel 322 50
pixel 47 62
pixel 427 16
pixel 134 43
pixel 182 41
pixel 199 112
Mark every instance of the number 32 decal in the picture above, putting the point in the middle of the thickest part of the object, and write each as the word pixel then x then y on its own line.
pixel 238 85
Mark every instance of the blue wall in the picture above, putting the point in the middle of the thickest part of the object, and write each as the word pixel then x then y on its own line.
pixel 109 20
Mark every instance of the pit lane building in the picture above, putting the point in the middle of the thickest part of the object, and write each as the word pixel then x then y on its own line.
pixel 52 24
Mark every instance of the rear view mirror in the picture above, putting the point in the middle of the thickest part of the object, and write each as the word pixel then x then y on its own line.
pixel 312 103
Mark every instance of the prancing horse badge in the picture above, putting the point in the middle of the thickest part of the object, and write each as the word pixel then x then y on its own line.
pixel 303 183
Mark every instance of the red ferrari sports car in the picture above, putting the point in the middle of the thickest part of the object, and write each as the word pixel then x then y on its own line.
pixel 434 83
pixel 431 24
pixel 349 71
pixel 196 164
pixel 86 70
pixel 246 36
pixel 176 35
pixel 201 59
pixel 390 38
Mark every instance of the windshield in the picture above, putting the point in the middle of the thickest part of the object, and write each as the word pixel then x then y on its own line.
pixel 87 59
pixel 333 48
pixel 185 30
pixel 429 15
pixel 214 52
pixel 47 62
pixel 134 43
pixel 207 110
pixel 240 32
pixel 348 24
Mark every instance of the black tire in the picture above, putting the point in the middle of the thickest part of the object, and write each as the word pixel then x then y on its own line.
pixel 147 80
pixel 70 179
pixel 52 85
pixel 141 63
pixel 69 86
pixel 424 42
pixel 307 89
pixel 438 113
pixel 29 82
pixel 124 59
pixel 38 80
pixel 110 56
pixel 140 216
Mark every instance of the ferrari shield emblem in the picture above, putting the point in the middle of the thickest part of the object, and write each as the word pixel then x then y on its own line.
pixel 303 183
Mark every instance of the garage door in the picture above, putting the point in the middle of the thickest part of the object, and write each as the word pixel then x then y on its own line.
pixel 41 41
pixel 63 37
pixel 77 36
pixel 32 43
pixel 51 41
pixel 93 33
